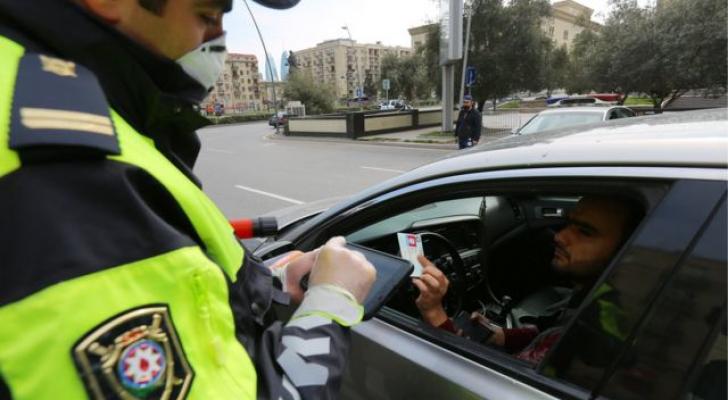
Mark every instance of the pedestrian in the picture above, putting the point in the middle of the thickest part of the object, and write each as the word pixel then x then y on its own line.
pixel 468 125
pixel 119 278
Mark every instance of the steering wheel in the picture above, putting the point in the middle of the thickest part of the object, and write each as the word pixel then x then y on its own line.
pixel 437 248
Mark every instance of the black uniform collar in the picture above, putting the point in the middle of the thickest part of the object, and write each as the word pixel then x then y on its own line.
pixel 151 92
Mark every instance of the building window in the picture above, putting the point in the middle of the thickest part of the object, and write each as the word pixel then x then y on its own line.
pixel 566 35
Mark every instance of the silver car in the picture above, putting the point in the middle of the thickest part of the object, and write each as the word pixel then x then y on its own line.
pixel 571 116
pixel 488 217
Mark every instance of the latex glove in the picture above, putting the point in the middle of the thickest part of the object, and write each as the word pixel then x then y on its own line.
pixel 346 269
pixel 433 285
pixel 291 268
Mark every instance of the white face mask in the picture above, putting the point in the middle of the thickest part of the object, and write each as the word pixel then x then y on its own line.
pixel 206 62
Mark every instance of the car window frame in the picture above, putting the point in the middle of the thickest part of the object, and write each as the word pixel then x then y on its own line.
pixel 488 358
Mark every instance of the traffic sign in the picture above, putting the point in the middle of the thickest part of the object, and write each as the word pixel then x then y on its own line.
pixel 470 76
pixel 385 84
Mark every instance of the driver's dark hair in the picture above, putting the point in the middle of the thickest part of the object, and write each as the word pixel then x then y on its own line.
pixel 632 211
pixel 154 6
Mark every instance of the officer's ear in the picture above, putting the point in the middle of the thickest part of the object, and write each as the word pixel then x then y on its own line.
pixel 110 11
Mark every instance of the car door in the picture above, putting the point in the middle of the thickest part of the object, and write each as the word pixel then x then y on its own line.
pixel 396 355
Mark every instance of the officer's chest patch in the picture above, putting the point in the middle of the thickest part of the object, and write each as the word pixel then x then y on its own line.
pixel 59 103
pixel 135 355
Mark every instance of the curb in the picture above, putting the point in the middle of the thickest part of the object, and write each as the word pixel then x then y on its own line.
pixel 395 143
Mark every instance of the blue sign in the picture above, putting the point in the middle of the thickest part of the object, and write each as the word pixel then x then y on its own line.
pixel 470 76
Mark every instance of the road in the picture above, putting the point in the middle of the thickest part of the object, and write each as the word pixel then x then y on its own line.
pixel 247 174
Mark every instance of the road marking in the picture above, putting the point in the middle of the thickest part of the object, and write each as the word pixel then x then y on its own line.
pixel 275 196
pixel 221 151
pixel 385 170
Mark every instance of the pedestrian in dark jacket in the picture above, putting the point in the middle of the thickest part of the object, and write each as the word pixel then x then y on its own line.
pixel 468 125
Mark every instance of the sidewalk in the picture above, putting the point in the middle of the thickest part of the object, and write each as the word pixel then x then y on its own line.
pixel 429 137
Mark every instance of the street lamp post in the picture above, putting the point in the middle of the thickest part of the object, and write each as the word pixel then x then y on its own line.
pixel 356 60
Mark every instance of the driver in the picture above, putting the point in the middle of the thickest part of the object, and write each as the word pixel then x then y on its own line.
pixel 596 229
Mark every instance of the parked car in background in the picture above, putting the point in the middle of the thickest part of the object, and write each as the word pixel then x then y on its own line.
pixel 279 119
pixel 487 218
pixel 396 104
pixel 571 116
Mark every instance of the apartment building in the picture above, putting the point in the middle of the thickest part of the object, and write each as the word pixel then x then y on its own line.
pixel 568 18
pixel 345 64
pixel 237 89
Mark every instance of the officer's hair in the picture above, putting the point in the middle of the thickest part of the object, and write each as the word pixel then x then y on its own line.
pixel 154 6
pixel 629 209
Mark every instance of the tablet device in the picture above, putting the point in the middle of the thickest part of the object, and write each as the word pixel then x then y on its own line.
pixel 392 272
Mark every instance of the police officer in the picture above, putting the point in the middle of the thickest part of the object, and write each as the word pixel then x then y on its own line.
pixel 119 278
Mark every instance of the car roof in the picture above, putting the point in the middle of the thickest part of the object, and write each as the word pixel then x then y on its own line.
pixel 677 139
pixel 693 138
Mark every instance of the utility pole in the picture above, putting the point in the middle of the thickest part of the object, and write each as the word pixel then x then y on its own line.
pixel 270 68
pixel 451 51
pixel 468 15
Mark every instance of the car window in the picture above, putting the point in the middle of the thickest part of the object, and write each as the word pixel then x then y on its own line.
pixel 564 119
pixel 654 315
pixel 411 219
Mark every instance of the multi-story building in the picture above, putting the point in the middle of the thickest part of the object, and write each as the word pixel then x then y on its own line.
pixel 345 64
pixel 237 89
pixel 271 72
pixel 567 19
pixel 284 65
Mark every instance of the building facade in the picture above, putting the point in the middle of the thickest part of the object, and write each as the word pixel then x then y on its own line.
pixel 284 65
pixel 271 72
pixel 345 64
pixel 568 18
pixel 237 89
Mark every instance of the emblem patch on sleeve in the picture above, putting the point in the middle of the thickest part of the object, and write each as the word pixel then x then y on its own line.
pixel 135 355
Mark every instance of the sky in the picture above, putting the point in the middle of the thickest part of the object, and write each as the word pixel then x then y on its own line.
pixel 314 21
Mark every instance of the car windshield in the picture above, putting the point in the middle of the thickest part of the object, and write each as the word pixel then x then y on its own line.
pixel 544 122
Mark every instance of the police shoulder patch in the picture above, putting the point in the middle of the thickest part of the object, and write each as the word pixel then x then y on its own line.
pixel 59 103
pixel 135 355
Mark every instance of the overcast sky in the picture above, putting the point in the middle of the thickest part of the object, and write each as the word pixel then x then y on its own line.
pixel 313 21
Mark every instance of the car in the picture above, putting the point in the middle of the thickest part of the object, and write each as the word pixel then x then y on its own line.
pixel 487 216
pixel 279 119
pixel 565 117
pixel 395 105
pixel 576 101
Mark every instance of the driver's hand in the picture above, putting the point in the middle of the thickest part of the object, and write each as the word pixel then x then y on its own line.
pixel 433 286
pixel 498 337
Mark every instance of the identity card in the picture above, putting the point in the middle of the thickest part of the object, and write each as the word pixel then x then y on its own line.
pixel 410 246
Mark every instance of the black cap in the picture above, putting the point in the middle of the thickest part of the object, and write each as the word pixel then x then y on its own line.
pixel 279 4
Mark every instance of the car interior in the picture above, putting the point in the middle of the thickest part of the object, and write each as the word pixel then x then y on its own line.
pixel 496 251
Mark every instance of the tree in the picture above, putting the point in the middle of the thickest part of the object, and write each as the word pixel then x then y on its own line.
pixel 660 50
pixel 556 67
pixel 408 76
pixel 318 99
pixel 371 87
pixel 507 46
